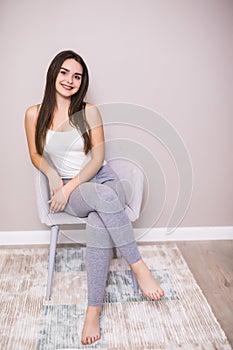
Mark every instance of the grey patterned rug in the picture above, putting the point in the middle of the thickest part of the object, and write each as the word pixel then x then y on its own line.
pixel 183 319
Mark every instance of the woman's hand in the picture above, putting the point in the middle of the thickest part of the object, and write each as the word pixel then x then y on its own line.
pixel 58 194
pixel 55 182
pixel 59 200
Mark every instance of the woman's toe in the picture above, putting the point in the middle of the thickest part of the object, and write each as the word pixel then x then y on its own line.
pixel 157 296
pixel 161 293
pixel 84 341
pixel 152 296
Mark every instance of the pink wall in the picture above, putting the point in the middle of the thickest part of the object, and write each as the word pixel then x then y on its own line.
pixel 173 57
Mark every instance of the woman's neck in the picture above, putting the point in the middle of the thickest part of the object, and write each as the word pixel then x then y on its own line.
pixel 60 114
pixel 62 105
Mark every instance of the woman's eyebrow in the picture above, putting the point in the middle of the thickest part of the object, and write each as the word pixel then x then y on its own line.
pixel 67 70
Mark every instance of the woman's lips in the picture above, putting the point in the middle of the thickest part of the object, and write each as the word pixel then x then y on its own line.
pixel 67 87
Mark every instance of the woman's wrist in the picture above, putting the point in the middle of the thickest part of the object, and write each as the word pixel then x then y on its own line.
pixel 70 186
pixel 51 173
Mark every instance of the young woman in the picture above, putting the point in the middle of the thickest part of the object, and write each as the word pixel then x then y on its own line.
pixel 66 142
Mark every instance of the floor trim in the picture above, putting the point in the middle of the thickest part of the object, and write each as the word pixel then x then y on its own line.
pixel 142 235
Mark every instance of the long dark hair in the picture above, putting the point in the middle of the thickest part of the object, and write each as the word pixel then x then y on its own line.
pixel 77 105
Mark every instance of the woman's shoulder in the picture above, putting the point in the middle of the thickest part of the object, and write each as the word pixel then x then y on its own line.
pixel 92 114
pixel 90 105
pixel 32 112
pixel 90 108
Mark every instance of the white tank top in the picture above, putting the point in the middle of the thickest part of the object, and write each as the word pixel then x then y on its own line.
pixel 65 150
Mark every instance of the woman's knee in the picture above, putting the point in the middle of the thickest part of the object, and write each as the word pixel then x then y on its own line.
pixel 77 205
pixel 106 193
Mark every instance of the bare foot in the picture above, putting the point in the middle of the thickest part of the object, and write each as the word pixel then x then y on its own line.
pixel 146 281
pixel 91 328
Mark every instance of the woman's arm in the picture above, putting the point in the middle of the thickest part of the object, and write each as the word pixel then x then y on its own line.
pixel 39 161
pixel 97 152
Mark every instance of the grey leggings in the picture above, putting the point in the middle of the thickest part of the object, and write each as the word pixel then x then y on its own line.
pixel 102 200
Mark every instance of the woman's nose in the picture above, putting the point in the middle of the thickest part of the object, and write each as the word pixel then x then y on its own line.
pixel 69 79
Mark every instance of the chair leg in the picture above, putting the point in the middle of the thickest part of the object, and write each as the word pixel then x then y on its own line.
pixel 52 250
pixel 114 252
pixel 135 282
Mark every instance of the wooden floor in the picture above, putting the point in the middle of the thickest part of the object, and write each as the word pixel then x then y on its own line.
pixel 211 263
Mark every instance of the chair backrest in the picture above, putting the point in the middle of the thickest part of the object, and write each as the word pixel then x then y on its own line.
pixel 132 180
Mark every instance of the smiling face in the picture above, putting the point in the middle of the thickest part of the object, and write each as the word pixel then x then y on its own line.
pixel 69 78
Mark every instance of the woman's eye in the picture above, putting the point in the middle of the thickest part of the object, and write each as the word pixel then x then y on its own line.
pixel 63 72
pixel 77 77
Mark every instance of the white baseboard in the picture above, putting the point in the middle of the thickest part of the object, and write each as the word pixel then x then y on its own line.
pixel 142 235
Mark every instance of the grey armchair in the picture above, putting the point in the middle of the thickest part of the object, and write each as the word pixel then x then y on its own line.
pixel 132 179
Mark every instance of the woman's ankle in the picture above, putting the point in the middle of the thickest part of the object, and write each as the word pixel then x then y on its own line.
pixel 94 309
pixel 138 266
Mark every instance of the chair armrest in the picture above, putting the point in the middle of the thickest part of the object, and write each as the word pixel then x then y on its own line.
pixel 42 198
pixel 42 194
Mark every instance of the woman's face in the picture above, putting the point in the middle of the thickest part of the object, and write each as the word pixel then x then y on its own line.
pixel 69 78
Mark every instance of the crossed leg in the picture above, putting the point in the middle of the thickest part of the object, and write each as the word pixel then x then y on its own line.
pixel 107 223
